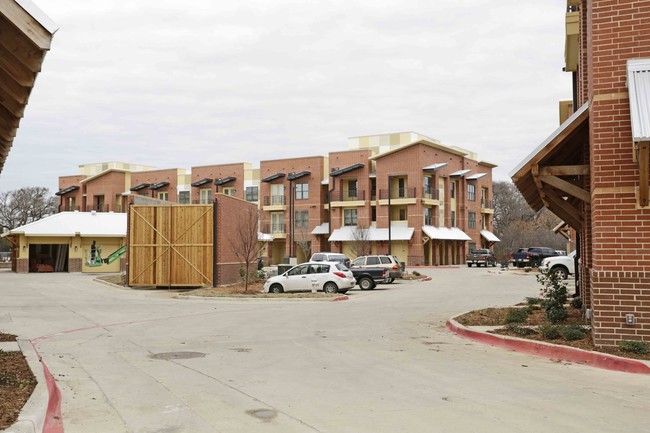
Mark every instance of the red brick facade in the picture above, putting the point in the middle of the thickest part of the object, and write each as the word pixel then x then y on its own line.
pixel 153 177
pixel 214 172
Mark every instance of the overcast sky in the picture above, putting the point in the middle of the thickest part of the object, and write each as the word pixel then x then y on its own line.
pixel 180 84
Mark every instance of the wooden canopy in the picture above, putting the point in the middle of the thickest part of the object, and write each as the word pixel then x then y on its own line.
pixel 25 36
pixel 553 175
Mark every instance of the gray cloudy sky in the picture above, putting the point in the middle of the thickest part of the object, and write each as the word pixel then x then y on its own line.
pixel 180 84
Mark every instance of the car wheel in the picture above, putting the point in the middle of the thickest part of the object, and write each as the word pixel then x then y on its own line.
pixel 366 283
pixel 390 280
pixel 330 287
pixel 469 265
pixel 560 273
pixel 276 288
pixel 494 264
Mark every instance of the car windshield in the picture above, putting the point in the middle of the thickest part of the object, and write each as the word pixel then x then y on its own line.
pixel 341 267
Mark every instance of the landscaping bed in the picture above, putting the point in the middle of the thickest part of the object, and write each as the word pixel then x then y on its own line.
pixel 16 383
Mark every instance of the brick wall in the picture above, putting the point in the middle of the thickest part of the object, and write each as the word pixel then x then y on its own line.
pixel 221 171
pixel 22 266
pixel 77 196
pixel 620 232
pixel 110 185
pixel 155 176
pixel 75 264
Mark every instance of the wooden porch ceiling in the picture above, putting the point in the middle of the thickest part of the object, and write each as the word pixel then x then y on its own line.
pixel 23 44
pixel 554 175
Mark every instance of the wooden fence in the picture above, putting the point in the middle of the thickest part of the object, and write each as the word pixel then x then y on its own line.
pixel 170 245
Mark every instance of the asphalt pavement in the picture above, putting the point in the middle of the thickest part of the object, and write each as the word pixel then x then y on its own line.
pixel 143 361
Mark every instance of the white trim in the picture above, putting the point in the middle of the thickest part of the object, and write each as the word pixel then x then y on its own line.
pixel 638 82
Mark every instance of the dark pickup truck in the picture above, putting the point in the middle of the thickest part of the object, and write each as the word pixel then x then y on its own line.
pixel 480 257
pixel 531 256
pixel 367 278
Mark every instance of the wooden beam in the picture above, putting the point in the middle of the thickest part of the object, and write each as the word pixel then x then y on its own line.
pixel 27 25
pixel 565 210
pixel 14 41
pixel 16 69
pixel 567 187
pixel 14 107
pixel 644 161
pixel 564 170
pixel 15 90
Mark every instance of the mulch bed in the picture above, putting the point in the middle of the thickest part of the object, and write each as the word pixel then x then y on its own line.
pixel 497 316
pixel 16 383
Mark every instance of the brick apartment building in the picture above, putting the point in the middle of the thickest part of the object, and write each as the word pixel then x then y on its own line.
pixel 593 172
pixel 439 206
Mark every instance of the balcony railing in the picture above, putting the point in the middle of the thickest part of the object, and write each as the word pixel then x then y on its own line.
pixel 274 200
pixel 70 208
pixel 430 193
pixel 98 208
pixel 398 193
pixel 487 204
pixel 348 195
pixel 276 228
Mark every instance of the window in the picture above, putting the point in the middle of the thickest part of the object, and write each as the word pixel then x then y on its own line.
pixel 372 260
pixel 453 218
pixel 302 191
pixel 229 191
pixel 359 261
pixel 373 213
pixel 252 193
pixel 277 194
pixel 385 260
pixel 183 197
pixel 428 216
pixel 402 214
pixel 401 184
pixel 163 195
pixel 428 187
pixel 471 192
pixel 206 196
pixel 350 217
pixel 302 220
pixel 471 220
pixel 452 189
pixel 277 222
pixel 352 188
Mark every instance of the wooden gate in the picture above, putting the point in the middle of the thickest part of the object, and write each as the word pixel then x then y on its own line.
pixel 170 245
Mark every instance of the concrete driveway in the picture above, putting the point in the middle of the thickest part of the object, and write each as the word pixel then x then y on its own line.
pixel 140 361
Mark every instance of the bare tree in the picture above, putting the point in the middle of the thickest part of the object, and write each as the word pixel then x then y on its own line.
pixel 517 225
pixel 25 205
pixel 361 244
pixel 245 242
pixel 303 242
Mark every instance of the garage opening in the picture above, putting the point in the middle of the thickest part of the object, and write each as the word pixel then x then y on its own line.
pixel 48 258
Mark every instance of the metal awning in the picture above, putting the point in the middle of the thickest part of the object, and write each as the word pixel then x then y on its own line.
pixel 340 171
pixel 158 185
pixel 224 181
pixel 294 176
pixel 476 176
pixel 551 175
pixel 273 177
pixel 459 173
pixel 489 236
pixel 201 182
pixel 446 233
pixel 141 186
pixel 64 191
pixel 25 37
pixel 322 229
pixel 638 83
pixel 434 167
pixel 374 234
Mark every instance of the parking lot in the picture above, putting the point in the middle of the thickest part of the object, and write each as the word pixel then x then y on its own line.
pixel 142 361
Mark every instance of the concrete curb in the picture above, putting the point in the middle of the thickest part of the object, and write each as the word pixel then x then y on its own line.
pixel 32 415
pixel 551 351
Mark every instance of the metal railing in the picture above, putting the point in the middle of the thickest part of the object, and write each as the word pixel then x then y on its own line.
pixel 348 195
pixel 430 193
pixel 397 193
pixel 276 228
pixel 274 200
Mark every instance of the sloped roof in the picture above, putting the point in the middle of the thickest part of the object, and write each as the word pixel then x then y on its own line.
pixel 70 224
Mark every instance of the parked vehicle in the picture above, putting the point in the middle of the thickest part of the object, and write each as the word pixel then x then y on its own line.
pixel 368 278
pixel 480 257
pixel 560 266
pixel 330 277
pixel 331 257
pixel 382 261
pixel 531 256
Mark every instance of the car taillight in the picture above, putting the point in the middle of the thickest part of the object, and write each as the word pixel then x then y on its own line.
pixel 395 267
pixel 340 274
pixel 512 256
pixel 384 273
pixel 528 255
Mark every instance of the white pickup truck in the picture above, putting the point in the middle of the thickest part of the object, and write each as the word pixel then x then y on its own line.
pixel 561 266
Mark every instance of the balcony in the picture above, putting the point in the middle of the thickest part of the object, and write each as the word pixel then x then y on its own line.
pixel 275 228
pixel 98 208
pixel 348 195
pixel 398 193
pixel 274 200
pixel 487 206
pixel 431 194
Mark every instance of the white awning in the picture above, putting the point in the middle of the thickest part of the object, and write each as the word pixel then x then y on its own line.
pixel 322 229
pixel 397 233
pixel 435 167
pixel 446 233
pixel 264 237
pixel 489 236
pixel 459 173
pixel 476 176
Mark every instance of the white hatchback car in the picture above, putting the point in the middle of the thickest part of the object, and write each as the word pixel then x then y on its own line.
pixel 329 277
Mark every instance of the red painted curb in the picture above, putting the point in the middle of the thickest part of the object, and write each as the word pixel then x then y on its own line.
pixel 551 351
pixel 53 422
pixel 340 298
